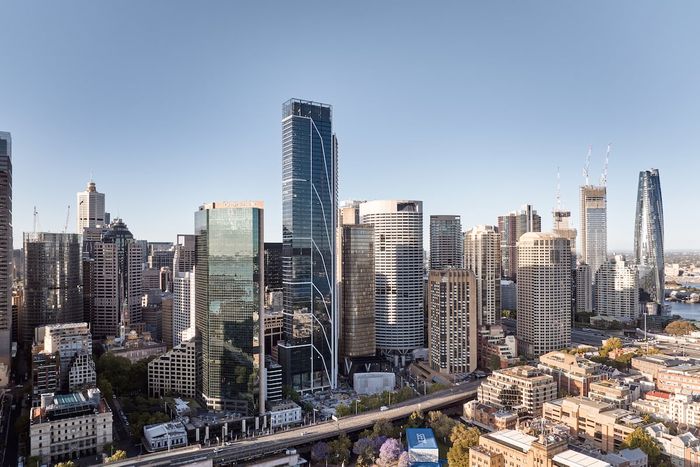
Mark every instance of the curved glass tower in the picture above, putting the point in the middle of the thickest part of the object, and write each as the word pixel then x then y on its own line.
pixel 309 351
pixel 649 237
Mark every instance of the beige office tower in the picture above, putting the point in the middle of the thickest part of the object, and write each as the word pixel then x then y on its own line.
pixel 617 290
pixel 584 289
pixel 594 226
pixel 91 208
pixel 482 256
pixel 544 293
pixel 452 316
pixel 560 220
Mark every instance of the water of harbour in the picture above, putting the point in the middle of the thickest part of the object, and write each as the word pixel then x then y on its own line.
pixel 689 311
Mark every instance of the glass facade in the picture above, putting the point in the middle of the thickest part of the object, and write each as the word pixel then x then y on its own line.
pixel 5 248
pixel 52 281
pixel 228 304
pixel 358 334
pixel 594 227
pixel 649 237
pixel 446 245
pixel 308 353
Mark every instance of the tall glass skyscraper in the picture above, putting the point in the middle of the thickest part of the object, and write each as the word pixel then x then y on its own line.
pixel 229 293
pixel 446 243
pixel 649 237
pixel 309 351
pixel 5 254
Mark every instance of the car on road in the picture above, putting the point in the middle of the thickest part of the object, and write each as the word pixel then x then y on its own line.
pixel 383 408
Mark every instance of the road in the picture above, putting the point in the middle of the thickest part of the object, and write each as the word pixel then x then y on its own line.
pixel 270 444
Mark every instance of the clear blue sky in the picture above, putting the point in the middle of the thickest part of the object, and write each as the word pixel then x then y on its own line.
pixel 468 106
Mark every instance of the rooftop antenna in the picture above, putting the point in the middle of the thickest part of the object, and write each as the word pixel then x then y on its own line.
pixel 588 163
pixel 36 213
pixel 604 176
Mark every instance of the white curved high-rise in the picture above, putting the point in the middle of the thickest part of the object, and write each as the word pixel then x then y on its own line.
pixel 398 262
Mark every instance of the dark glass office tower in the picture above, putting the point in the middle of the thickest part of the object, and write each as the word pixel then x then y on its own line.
pixel 5 252
pixel 273 266
pixel 229 292
pixel 308 353
pixel 649 238
pixel 52 281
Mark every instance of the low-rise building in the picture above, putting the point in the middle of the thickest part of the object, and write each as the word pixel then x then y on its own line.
pixel 164 436
pixel 422 446
pixel 574 374
pixel 597 423
pixel 174 372
pixel 514 448
pixel 522 389
pixel 613 392
pixel 284 413
pixel 134 347
pixel 650 365
pixel 677 408
pixel 489 417
pixel 681 379
pixel 496 346
pixel 82 373
pixel 67 426
pixel 682 449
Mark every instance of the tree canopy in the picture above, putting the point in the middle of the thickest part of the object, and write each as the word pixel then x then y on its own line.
pixel 642 440
pixel 680 328
pixel 462 439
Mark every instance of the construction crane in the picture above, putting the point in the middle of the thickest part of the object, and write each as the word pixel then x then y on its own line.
pixel 558 190
pixel 588 163
pixel 65 226
pixel 604 175
pixel 36 219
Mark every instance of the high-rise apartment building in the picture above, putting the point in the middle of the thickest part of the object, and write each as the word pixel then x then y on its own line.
pixel 511 227
pixel 91 208
pixel 5 254
pixel 594 226
pixel 52 281
pixel 446 244
pixel 309 351
pixel 104 303
pixel 482 256
pixel 357 334
pixel 183 307
pixel 544 293
pixel 398 274
pixel 617 290
pixel 649 237
pixel 452 316
pixel 584 290
pixel 229 297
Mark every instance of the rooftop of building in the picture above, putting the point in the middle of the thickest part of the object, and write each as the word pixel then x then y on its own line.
pixel 283 405
pixel 420 438
pixel 233 205
pixel 570 362
pixel 159 430
pixel 513 438
pixel 571 458
pixel 62 406
pixel 524 372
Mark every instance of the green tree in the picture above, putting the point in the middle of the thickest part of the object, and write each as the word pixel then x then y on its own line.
pixel 680 328
pixel 642 440
pixel 66 464
pixel 342 410
pixel 105 387
pixel 494 362
pixel 117 456
pixel 441 424
pixel 339 450
pixel 289 393
pixel 416 420
pixel 462 439
pixel 384 428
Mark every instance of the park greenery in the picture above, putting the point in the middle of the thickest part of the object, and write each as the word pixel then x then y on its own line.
pixel 462 439
pixel 680 328
pixel 642 440
pixel 375 401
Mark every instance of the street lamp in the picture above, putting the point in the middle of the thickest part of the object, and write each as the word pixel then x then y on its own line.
pixel 356 401
pixel 315 410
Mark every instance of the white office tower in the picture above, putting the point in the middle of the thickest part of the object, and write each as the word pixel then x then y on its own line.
pixel 183 307
pixel 617 290
pixel 398 260
pixel 544 293
pixel 482 255
pixel 584 290
pixel 594 226
pixel 91 208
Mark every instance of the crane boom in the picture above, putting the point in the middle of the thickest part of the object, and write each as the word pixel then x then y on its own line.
pixel 604 175
pixel 588 163
pixel 65 226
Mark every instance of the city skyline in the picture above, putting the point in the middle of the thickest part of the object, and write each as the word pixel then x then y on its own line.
pixel 648 125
